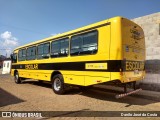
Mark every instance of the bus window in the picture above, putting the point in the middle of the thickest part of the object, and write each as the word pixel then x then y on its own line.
pixel 43 51
pixel 84 44
pixel 14 58
pixel 22 55
pixel 59 48
pixel 31 53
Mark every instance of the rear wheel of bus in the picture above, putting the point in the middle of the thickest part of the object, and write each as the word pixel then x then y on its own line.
pixel 17 79
pixel 58 85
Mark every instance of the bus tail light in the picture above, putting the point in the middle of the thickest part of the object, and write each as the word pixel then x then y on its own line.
pixel 121 71
pixel 98 80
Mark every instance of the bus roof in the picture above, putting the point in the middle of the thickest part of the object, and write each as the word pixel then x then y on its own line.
pixel 62 35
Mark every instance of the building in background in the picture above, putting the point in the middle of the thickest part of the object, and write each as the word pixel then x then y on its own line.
pixel 6 68
pixel 151 26
pixel 2 58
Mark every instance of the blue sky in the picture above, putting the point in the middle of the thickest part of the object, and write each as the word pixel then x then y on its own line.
pixel 25 21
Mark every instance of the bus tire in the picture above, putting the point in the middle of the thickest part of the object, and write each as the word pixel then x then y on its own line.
pixel 17 79
pixel 58 84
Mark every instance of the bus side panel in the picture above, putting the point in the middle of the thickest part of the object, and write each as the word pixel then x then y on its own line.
pixel 103 54
pixel 87 77
pixel 12 72
pixel 116 52
pixel 91 80
pixel 35 74
pixel 74 79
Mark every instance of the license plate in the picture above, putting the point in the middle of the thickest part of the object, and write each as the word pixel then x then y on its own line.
pixel 136 72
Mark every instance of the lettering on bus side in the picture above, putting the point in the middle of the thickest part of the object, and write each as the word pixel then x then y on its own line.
pixel 135 34
pixel 31 66
pixel 134 65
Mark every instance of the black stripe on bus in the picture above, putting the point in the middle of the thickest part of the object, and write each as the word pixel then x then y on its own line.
pixel 112 66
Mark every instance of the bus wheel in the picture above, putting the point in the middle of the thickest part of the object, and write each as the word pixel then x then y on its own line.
pixel 17 79
pixel 58 84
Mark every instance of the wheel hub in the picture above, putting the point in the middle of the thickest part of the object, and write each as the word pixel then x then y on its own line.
pixel 57 84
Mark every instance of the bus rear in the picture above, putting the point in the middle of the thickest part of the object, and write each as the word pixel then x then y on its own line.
pixel 133 47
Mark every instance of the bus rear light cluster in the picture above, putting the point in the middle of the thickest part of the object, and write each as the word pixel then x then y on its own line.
pixel 99 81
pixel 121 73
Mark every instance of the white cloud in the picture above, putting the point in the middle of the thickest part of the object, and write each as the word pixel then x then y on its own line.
pixel 6 35
pixel 8 42
pixel 8 39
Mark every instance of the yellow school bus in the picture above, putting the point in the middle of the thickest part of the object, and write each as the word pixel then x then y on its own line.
pixel 109 50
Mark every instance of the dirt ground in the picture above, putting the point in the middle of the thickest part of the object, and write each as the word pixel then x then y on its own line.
pixel 35 96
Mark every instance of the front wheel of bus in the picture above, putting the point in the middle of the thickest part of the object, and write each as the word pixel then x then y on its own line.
pixel 17 79
pixel 58 84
